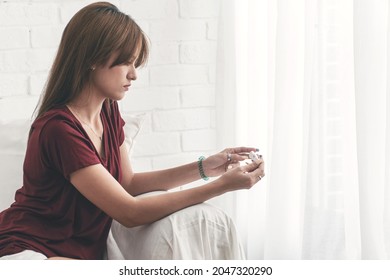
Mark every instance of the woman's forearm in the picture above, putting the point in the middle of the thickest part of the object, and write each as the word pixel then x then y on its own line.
pixel 163 179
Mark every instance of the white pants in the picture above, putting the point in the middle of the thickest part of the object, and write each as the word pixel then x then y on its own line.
pixel 25 255
pixel 199 232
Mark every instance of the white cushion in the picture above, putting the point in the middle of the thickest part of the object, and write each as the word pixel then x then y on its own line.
pixel 13 142
pixel 132 128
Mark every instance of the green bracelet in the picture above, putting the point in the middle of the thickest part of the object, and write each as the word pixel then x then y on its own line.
pixel 200 166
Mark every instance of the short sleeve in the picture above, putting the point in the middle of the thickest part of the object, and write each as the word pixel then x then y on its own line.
pixel 65 148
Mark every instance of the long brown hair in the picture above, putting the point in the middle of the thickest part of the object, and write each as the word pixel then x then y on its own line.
pixel 90 38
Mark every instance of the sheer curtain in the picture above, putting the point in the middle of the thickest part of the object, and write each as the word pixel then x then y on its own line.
pixel 307 82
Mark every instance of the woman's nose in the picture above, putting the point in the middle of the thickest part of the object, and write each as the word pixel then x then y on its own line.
pixel 132 73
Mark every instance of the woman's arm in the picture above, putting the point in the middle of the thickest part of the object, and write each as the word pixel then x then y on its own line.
pixel 99 187
pixel 138 183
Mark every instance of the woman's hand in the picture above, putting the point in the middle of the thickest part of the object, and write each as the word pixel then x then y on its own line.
pixel 243 177
pixel 219 163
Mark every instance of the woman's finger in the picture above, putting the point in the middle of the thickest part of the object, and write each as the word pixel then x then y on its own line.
pixel 250 167
pixel 238 157
pixel 238 150
pixel 232 165
pixel 259 172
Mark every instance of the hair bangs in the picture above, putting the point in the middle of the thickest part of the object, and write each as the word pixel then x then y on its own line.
pixel 133 46
pixel 143 55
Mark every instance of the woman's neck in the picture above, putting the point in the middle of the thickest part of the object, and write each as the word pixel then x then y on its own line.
pixel 87 107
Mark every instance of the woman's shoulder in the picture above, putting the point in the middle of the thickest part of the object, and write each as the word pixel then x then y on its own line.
pixel 58 117
pixel 58 113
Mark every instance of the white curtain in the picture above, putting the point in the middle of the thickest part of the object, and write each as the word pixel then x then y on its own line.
pixel 306 81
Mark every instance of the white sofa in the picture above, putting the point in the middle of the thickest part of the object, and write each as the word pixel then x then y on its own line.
pixel 198 232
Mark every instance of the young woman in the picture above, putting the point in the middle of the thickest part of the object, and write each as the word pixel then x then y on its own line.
pixel 77 175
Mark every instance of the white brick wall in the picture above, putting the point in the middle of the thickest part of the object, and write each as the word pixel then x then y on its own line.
pixel 175 90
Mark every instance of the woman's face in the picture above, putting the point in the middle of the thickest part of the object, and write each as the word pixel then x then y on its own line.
pixel 113 82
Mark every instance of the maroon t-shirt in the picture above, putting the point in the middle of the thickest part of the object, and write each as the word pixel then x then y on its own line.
pixel 49 214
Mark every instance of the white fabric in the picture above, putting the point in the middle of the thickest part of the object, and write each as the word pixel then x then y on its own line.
pixel 24 255
pixel 327 127
pixel 199 232
pixel 132 128
pixel 242 108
